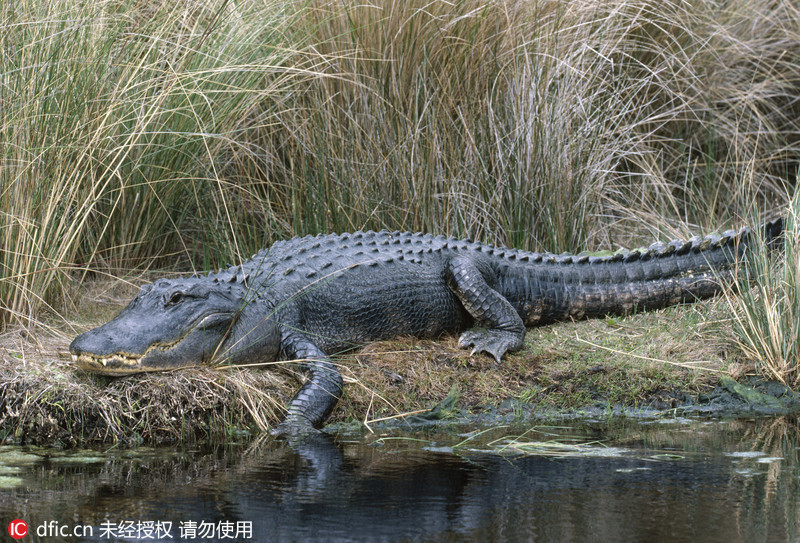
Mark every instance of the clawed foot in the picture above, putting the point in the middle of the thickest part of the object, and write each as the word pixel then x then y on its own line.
pixel 493 342
pixel 294 427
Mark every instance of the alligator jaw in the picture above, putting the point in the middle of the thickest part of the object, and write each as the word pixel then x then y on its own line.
pixel 97 357
pixel 121 363
pixel 115 364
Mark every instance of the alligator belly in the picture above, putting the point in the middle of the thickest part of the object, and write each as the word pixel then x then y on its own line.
pixel 349 316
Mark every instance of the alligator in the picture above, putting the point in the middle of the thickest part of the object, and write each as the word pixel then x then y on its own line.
pixel 308 298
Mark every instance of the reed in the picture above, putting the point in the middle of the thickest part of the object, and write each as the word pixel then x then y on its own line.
pixel 546 124
pixel 125 127
pixel 144 135
pixel 765 305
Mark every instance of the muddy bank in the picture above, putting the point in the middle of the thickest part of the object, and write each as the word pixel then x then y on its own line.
pixel 55 405
pixel 658 364
pixel 750 397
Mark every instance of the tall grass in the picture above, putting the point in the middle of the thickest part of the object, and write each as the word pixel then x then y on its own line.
pixel 766 304
pixel 138 134
pixel 542 124
pixel 467 118
pixel 125 127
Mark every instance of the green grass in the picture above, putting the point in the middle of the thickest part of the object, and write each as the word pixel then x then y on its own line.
pixel 138 135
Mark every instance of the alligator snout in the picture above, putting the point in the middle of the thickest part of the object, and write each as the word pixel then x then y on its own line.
pixel 92 343
pixel 97 351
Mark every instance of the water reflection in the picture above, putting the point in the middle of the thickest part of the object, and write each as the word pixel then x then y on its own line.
pixel 676 481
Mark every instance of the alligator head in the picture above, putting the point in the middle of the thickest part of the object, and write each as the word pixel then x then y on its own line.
pixel 170 324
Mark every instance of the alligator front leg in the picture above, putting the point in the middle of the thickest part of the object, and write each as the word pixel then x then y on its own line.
pixel 505 330
pixel 319 395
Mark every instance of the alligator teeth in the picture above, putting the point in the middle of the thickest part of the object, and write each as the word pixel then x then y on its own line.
pixel 74 357
pixel 104 361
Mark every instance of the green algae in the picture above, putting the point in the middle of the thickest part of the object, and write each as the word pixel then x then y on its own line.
pixel 751 395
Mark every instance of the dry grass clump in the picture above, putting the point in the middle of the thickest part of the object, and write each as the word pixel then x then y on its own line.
pixel 45 401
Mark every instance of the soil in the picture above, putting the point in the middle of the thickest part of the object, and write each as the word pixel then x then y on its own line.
pixel 668 362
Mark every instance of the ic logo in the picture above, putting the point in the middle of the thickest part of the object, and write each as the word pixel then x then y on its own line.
pixel 17 529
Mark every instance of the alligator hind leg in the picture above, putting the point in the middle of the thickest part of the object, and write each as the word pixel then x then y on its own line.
pixel 505 330
pixel 319 395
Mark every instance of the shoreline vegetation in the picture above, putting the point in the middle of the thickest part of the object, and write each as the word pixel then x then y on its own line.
pixel 143 139
pixel 664 363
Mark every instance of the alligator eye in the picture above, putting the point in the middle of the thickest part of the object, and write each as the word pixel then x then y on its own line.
pixel 175 299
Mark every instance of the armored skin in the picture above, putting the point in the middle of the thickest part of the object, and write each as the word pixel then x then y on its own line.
pixel 308 298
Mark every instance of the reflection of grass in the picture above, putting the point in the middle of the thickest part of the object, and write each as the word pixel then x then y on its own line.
pixel 771 500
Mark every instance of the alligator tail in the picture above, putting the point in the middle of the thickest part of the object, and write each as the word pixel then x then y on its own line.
pixel 578 286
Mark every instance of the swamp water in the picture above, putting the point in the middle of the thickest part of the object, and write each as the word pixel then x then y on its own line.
pixel 659 480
